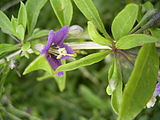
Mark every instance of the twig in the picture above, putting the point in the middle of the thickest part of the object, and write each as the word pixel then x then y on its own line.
pixel 123 54
pixel 73 45
pixel 14 38
pixel 131 53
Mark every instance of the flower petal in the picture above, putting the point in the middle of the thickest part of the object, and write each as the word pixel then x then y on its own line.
pixel 60 74
pixel 55 63
pixel 157 90
pixel 61 35
pixel 51 38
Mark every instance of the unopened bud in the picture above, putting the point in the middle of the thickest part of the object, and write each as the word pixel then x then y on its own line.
pixel 13 64
pixel 38 47
pixel 75 30
pixel 153 22
pixel 151 102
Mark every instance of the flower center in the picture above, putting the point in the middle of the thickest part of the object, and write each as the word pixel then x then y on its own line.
pixel 59 52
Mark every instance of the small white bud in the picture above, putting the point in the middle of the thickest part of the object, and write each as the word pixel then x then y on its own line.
pixel 12 64
pixel 75 30
pixel 38 47
pixel 151 102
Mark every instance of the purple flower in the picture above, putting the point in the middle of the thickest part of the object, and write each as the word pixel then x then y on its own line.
pixel 55 49
pixel 157 90
pixel 156 93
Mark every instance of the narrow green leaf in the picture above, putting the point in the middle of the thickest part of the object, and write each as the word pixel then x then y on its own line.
pixel 39 63
pixel 148 6
pixel 39 33
pixel 20 31
pixel 85 61
pixel 46 75
pixel 115 85
pixel 156 32
pixel 134 40
pixel 96 37
pixel 89 10
pixel 63 10
pixel 141 84
pixel 61 81
pixel 4 48
pixel 14 23
pixel 33 8
pixel 22 16
pixel 5 24
pixel 117 97
pixel 124 21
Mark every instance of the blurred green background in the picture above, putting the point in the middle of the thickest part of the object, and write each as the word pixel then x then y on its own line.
pixel 84 97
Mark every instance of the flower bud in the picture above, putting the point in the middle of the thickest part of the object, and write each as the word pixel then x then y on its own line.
pixel 13 64
pixel 75 30
pixel 38 47
pixel 153 22
pixel 151 102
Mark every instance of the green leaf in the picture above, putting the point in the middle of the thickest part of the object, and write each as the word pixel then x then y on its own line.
pixel 39 33
pixel 4 48
pixel 141 84
pixel 39 63
pixel 14 23
pixel 33 8
pixel 156 32
pixel 63 10
pixel 20 31
pixel 26 46
pixel 134 40
pixel 90 12
pixel 5 24
pixel 96 37
pixel 124 21
pixel 61 81
pixel 22 16
pixel 148 6
pixel 117 97
pixel 115 85
pixel 85 61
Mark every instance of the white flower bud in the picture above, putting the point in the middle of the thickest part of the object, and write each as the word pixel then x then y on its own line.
pixel 75 30
pixel 38 47
pixel 13 64
pixel 151 102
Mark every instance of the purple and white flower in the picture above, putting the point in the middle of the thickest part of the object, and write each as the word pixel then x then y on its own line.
pixel 55 50
pixel 156 93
